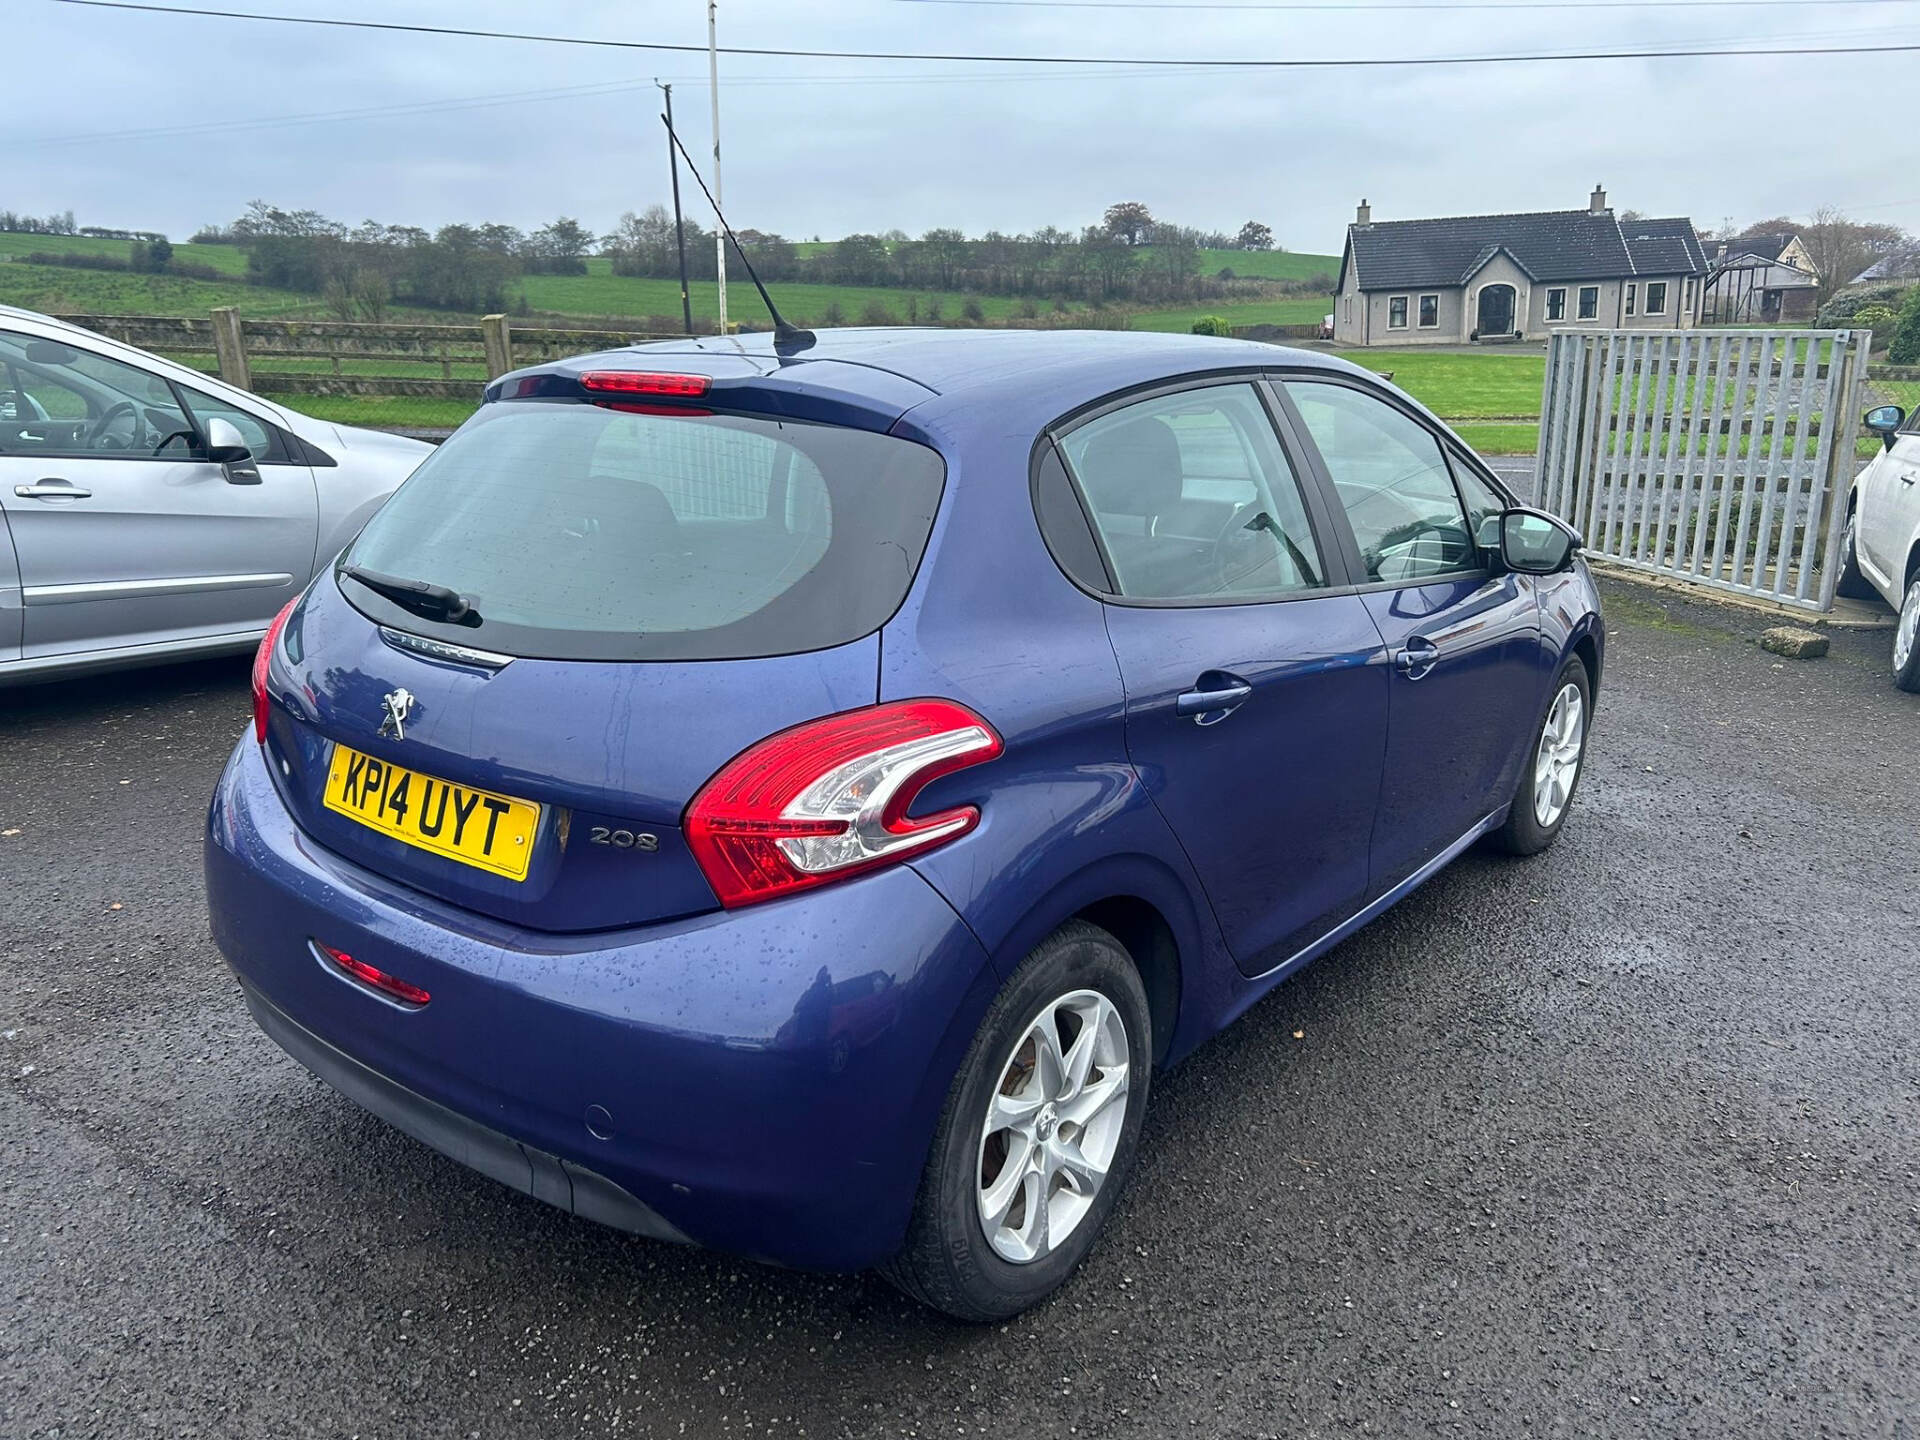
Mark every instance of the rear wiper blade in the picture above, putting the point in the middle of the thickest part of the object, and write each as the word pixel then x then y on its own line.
pixel 422 597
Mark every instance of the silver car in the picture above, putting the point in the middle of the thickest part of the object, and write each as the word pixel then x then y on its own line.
pixel 149 512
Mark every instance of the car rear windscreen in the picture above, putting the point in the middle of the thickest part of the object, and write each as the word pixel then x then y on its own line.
pixel 581 532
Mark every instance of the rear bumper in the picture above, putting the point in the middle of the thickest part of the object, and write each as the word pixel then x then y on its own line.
pixel 764 1082
pixel 571 1187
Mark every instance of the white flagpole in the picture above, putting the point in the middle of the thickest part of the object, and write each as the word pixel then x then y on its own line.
pixel 719 196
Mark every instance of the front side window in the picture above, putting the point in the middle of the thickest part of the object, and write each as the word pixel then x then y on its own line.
pixel 1193 499
pixel 1393 482
pixel 1656 297
pixel 1397 313
pixel 577 532
pixel 1589 301
pixel 57 399
pixel 1633 293
pixel 1556 304
pixel 1429 311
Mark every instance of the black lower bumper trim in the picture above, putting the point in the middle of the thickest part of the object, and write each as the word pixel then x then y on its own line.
pixel 561 1183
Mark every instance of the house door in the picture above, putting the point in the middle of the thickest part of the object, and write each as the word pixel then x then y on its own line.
pixel 1496 310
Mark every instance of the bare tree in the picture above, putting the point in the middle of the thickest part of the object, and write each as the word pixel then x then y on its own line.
pixel 1841 248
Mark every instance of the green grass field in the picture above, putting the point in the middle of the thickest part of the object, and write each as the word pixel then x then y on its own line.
pixel 1481 386
pixel 1268 264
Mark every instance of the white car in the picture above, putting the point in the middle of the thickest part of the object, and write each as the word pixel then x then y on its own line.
pixel 1883 534
pixel 149 512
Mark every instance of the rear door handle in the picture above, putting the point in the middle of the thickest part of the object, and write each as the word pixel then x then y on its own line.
pixel 1417 657
pixel 1215 695
pixel 52 488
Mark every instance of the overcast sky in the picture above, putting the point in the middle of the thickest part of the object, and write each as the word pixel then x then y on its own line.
pixel 97 118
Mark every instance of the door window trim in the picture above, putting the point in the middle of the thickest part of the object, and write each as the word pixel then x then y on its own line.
pixel 1327 539
pixel 287 449
pixel 1323 477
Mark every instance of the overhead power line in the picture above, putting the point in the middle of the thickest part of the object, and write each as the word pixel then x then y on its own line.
pixel 1156 62
pixel 1361 7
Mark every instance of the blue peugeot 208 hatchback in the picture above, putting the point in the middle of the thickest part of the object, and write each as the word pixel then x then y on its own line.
pixel 794 802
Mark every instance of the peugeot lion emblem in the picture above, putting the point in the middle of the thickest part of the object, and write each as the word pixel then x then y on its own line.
pixel 398 704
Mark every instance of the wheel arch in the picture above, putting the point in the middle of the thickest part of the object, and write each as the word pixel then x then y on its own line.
pixel 1149 910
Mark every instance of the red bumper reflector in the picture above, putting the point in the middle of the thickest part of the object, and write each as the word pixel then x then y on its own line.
pixel 375 978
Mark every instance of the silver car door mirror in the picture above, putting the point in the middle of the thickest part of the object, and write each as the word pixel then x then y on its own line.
pixel 227 448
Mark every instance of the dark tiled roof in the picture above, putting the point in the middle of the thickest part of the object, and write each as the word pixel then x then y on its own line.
pixel 1664 246
pixel 1550 245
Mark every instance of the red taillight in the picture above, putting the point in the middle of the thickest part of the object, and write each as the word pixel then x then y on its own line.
pixel 374 977
pixel 645 382
pixel 829 799
pixel 262 663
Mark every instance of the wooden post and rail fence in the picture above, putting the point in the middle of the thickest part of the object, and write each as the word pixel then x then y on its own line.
pixel 294 358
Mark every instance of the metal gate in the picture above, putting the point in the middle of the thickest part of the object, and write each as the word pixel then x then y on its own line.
pixel 1722 456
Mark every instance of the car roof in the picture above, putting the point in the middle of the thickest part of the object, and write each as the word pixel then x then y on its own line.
pixel 1027 377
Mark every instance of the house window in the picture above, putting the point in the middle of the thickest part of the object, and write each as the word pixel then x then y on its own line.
pixel 1656 297
pixel 1397 313
pixel 1589 302
pixel 1429 311
pixel 1557 304
pixel 1688 292
pixel 1633 293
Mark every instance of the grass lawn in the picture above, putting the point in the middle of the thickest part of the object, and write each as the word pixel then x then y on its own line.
pixel 1500 439
pixel 1486 385
pixel 382 412
pixel 1299 311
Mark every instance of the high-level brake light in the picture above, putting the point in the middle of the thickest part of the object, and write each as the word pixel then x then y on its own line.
pixel 658 385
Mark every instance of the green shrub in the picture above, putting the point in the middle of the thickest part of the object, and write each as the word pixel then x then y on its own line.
pixel 1840 310
pixel 876 313
pixel 973 312
pixel 1875 317
pixel 1212 325
pixel 1905 349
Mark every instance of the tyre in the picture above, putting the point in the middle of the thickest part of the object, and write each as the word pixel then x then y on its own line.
pixel 1547 786
pixel 1852 583
pixel 1038 1134
pixel 1906 639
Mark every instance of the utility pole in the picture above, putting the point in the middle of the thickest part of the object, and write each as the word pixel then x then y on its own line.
pixel 719 194
pixel 679 226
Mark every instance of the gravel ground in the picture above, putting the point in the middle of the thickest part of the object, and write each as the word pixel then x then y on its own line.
pixel 1621 1140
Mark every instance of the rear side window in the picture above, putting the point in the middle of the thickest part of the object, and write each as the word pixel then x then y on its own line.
pixel 579 532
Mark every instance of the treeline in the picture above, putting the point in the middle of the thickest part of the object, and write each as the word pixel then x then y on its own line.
pixel 19 224
pixel 362 270
pixel 1128 257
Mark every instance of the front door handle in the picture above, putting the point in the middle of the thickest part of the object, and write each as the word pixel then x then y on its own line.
pixel 1417 657
pixel 1215 695
pixel 52 488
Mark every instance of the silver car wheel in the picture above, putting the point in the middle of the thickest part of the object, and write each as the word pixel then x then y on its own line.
pixel 1053 1126
pixel 1556 764
pixel 1909 628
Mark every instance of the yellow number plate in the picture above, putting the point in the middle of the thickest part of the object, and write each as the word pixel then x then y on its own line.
pixel 475 827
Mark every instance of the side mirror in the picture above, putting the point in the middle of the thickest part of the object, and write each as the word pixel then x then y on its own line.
pixel 1885 421
pixel 1535 544
pixel 227 448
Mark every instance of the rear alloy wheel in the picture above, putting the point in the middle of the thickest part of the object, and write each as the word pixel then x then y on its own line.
pixel 1906 640
pixel 1038 1134
pixel 1852 583
pixel 1547 783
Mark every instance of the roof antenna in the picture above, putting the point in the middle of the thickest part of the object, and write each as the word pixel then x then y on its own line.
pixel 786 338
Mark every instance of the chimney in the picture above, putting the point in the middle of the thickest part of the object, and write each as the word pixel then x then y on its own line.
pixel 1597 203
pixel 1363 215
